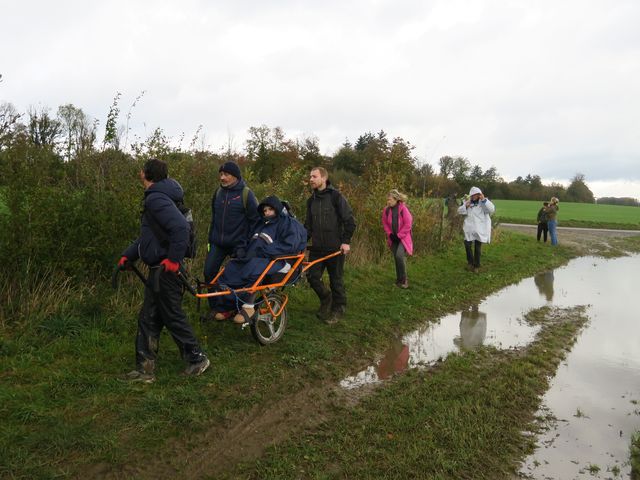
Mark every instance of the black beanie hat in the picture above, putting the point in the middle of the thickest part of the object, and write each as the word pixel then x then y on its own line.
pixel 231 168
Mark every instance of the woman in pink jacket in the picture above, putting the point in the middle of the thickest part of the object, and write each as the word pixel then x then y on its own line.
pixel 397 221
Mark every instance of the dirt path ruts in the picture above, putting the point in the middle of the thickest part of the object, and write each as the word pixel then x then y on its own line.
pixel 585 240
pixel 241 437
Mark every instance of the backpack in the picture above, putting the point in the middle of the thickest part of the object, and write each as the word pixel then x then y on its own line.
pixel 301 235
pixel 163 237
pixel 335 200
pixel 286 207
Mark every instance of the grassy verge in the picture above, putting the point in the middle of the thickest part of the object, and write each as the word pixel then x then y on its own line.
pixel 65 409
pixel 460 420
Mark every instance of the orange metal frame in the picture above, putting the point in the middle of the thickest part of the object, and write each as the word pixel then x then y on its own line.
pixel 259 287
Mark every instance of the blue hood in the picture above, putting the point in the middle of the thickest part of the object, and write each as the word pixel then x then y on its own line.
pixel 169 187
pixel 272 201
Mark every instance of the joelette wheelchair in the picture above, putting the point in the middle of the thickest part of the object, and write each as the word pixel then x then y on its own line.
pixel 269 321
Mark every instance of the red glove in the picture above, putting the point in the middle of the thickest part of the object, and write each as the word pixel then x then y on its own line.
pixel 170 266
pixel 122 263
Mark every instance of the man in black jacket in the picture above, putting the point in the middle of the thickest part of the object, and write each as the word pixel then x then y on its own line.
pixel 163 304
pixel 330 226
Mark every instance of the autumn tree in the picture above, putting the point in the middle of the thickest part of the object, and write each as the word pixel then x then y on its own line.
pixel 9 123
pixel 43 130
pixel 78 131
pixel 578 191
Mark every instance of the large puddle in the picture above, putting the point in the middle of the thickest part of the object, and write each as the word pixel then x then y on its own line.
pixel 594 394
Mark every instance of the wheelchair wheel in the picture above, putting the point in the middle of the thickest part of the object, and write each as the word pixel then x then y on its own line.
pixel 266 328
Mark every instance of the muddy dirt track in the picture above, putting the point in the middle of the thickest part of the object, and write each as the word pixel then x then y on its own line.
pixel 585 240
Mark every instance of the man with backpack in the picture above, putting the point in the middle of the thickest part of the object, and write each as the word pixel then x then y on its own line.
pixel 330 226
pixel 163 292
pixel 234 216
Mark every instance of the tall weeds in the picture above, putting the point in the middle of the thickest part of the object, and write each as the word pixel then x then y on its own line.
pixel 29 299
pixel 64 224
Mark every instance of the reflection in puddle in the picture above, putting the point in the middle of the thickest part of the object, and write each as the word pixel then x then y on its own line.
pixel 595 393
pixel 473 328
pixel 460 331
pixel 544 282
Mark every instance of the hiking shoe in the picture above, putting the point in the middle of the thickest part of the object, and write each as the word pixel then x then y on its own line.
pixel 324 312
pixel 137 376
pixel 404 284
pixel 195 369
pixel 335 316
pixel 244 315
pixel 221 316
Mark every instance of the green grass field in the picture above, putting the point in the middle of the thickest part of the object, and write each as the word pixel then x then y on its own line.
pixel 571 214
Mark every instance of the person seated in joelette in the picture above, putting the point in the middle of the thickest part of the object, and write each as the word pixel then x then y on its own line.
pixel 278 234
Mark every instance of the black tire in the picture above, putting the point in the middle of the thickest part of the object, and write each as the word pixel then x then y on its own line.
pixel 266 328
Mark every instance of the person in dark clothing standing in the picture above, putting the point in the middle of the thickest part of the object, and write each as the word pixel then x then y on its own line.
pixel 330 226
pixel 234 216
pixel 542 221
pixel 162 306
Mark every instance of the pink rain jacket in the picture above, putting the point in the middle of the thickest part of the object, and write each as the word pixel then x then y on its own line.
pixel 404 226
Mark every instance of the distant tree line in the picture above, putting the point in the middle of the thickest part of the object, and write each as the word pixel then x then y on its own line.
pixel 70 134
pixel 626 201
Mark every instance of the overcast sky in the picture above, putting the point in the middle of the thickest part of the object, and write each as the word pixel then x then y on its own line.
pixel 547 87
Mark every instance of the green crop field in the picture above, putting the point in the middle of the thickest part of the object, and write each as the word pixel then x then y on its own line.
pixel 571 214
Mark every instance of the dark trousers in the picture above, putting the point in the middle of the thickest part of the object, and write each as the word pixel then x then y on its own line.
pixel 335 269
pixel 542 228
pixel 473 256
pixel 164 309
pixel 212 264
pixel 400 258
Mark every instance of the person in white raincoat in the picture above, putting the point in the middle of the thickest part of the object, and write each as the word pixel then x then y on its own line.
pixel 477 225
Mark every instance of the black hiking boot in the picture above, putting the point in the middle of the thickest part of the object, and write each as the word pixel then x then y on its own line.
pixel 195 369
pixel 335 316
pixel 324 312
pixel 141 377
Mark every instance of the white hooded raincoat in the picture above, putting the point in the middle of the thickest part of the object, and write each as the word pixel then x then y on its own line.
pixel 477 224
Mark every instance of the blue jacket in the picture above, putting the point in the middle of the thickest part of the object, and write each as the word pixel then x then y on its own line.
pixel 159 201
pixel 231 225
pixel 279 236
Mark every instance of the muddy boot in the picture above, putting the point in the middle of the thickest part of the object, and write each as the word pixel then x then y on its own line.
pixel 137 376
pixel 336 315
pixel 195 369
pixel 144 373
pixel 324 312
